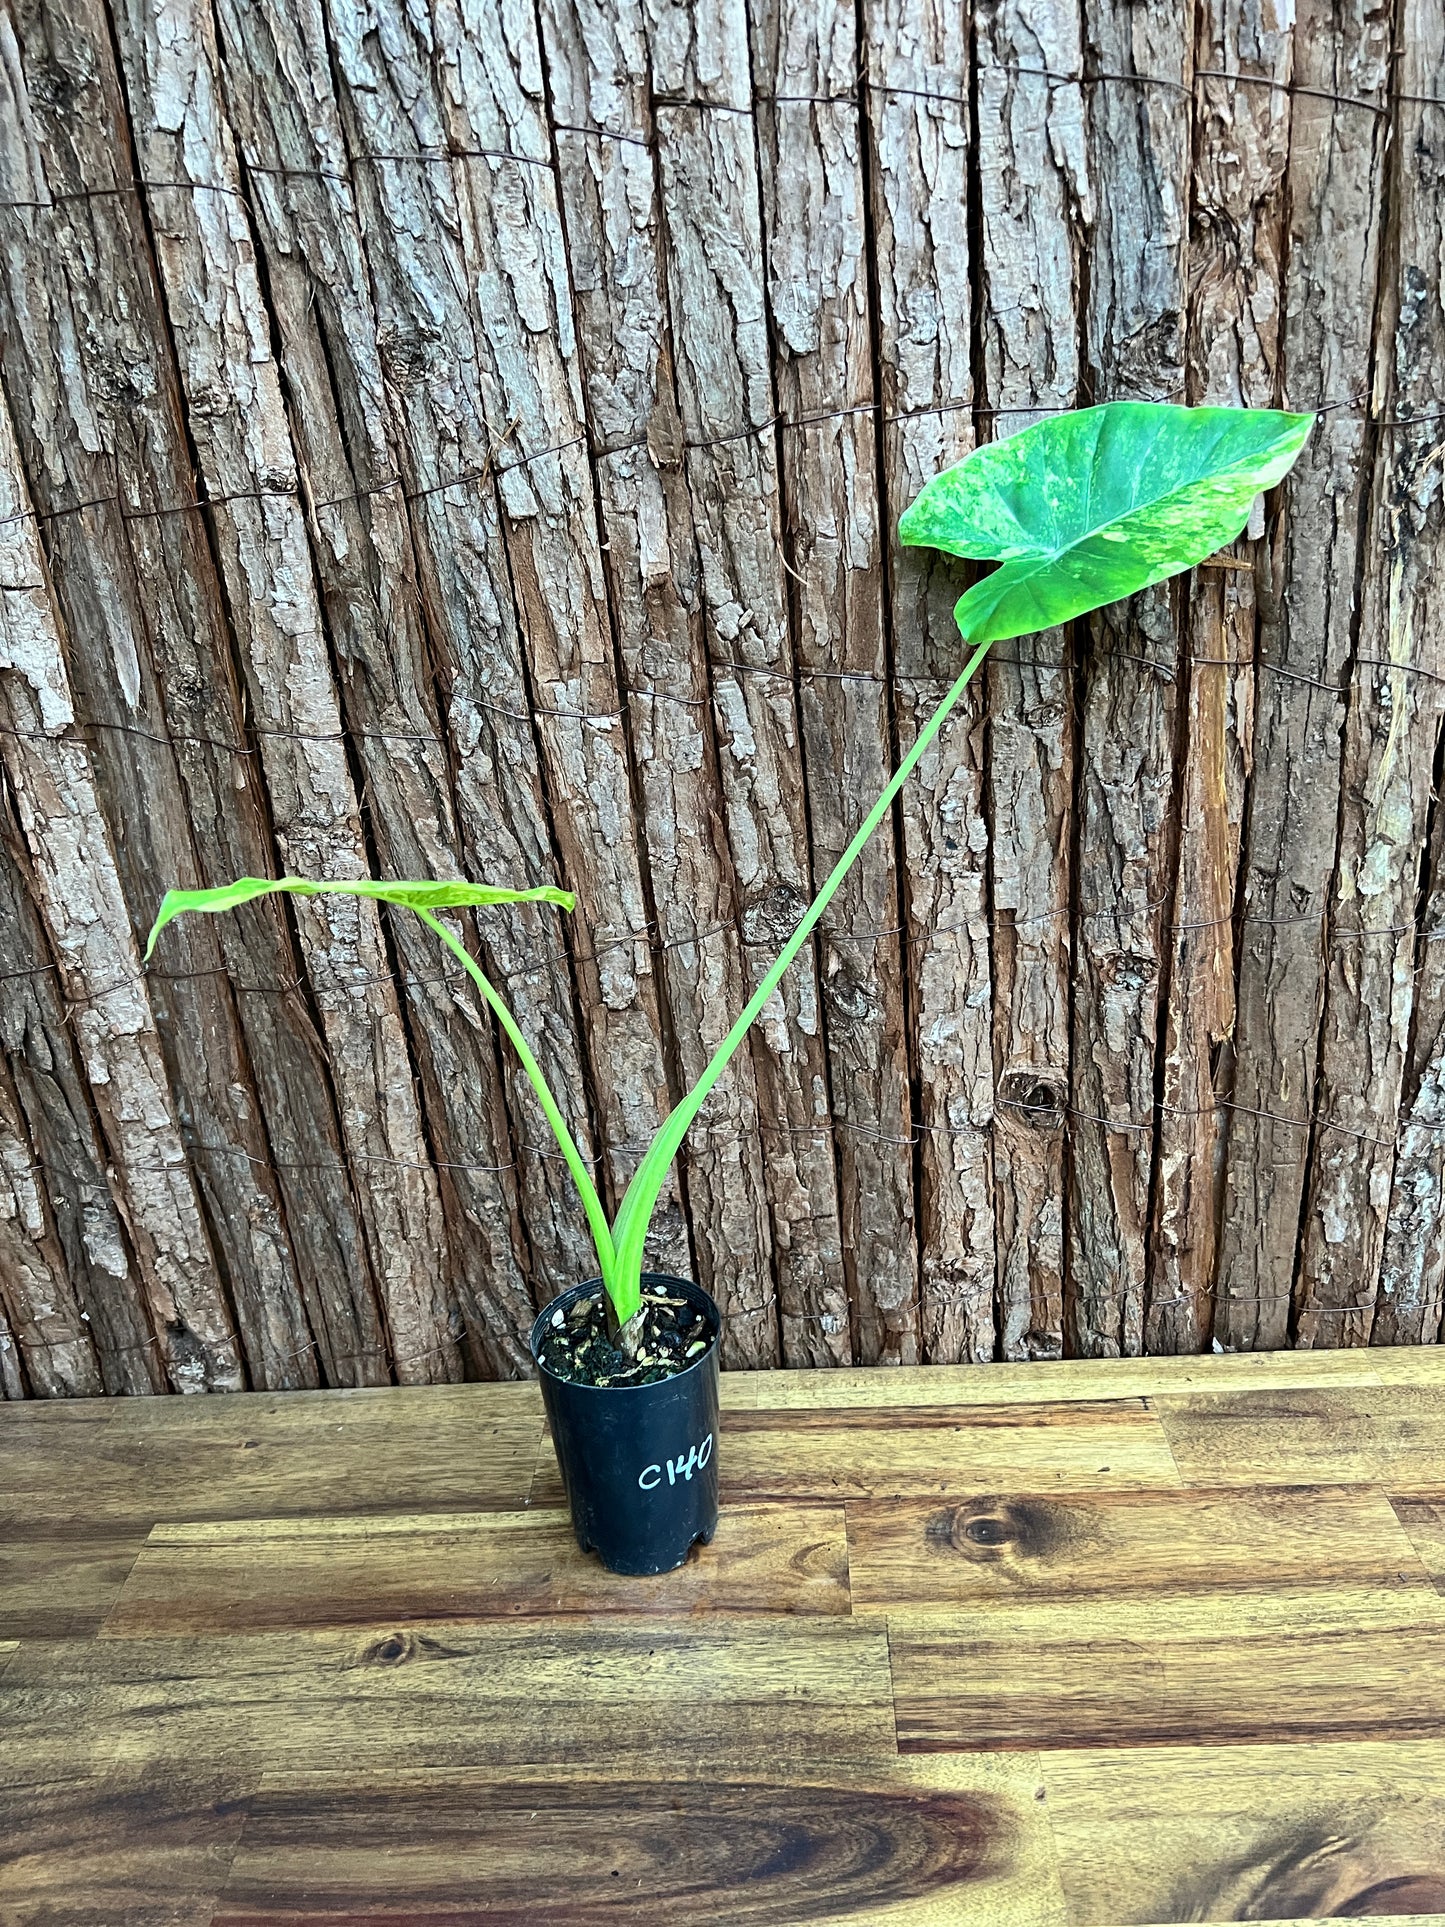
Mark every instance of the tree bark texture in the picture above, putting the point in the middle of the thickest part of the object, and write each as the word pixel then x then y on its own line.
pixel 1036 206
pixel 699 63
pixel 1381 1004
pixel 456 438
pixel 1139 141
pixel 1242 105
pixel 916 64
pixel 1335 187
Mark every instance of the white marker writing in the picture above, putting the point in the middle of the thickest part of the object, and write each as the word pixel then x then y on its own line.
pixel 682 1467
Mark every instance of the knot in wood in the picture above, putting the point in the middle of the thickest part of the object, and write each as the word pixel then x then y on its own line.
pixel 987 1530
pixel 851 1002
pixel 770 918
pixel 1125 970
pixel 392 1649
pixel 1034 1098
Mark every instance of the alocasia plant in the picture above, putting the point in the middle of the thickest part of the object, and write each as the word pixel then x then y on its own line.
pixel 1078 510
pixel 1092 506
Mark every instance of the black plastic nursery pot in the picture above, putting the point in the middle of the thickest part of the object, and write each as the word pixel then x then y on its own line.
pixel 639 1462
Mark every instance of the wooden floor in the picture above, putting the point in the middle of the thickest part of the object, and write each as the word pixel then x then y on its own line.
pixel 1091 1644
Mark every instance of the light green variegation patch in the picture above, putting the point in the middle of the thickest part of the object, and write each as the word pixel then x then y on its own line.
pixel 1083 509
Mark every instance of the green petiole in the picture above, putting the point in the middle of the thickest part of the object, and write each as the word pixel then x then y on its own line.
pixel 629 1231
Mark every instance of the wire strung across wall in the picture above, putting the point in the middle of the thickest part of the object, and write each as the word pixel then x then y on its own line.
pixel 930 1301
pixel 1055 1115
pixel 865 84
pixel 1118 914
pixel 559 959
pixel 138 185
pixel 489 469
pixel 723 666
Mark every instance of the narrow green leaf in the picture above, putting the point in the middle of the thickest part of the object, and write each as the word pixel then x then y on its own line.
pixel 411 896
pixel 423 898
pixel 1086 508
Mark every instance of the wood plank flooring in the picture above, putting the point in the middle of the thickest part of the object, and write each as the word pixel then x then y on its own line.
pixel 1133 1641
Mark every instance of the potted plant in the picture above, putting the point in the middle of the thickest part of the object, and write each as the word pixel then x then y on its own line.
pixel 1078 510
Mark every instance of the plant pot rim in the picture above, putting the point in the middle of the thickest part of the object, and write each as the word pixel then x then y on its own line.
pixel 574 1292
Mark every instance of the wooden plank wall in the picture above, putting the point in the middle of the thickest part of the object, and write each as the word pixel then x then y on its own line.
pixel 461 438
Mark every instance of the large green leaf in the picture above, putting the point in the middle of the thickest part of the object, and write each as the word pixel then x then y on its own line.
pixel 411 896
pixel 1085 508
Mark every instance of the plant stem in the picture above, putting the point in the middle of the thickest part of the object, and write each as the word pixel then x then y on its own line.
pixel 635 1214
pixel 576 1164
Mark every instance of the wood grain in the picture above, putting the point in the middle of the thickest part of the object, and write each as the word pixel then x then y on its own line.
pixel 1391 1437
pixel 612 1693
pixel 1331 1663
pixel 985 1550
pixel 335 1688
pixel 1424 1523
pixel 38 1753
pixel 60 1582
pixel 912 1842
pixel 118 1848
pixel 120 1466
pixel 1404 1365
pixel 1249 1832
pixel 867 1452
pixel 316 1573
pixel 1073 1380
